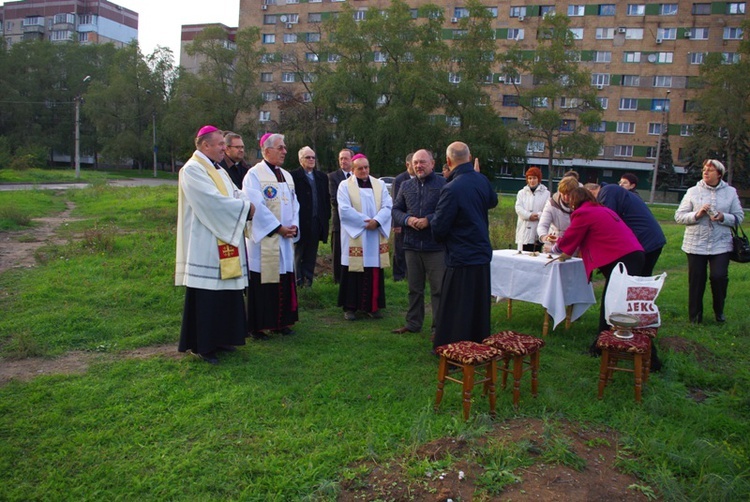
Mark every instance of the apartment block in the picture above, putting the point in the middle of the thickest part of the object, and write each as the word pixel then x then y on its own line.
pixel 188 34
pixel 644 59
pixel 88 21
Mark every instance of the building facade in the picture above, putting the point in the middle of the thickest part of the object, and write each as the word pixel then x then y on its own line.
pixel 188 34
pixel 87 21
pixel 644 59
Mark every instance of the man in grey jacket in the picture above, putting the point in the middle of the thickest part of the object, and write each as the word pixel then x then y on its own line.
pixel 413 209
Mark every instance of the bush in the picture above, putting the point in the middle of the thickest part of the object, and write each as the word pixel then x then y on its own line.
pixel 28 157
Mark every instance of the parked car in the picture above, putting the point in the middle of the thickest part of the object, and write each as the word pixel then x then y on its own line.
pixel 388 180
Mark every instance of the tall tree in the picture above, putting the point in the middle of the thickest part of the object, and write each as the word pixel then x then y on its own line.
pixel 558 101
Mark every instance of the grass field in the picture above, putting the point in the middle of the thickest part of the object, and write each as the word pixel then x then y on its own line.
pixel 288 418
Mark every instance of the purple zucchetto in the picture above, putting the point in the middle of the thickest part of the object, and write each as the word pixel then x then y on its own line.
pixel 206 129
pixel 359 156
pixel 264 138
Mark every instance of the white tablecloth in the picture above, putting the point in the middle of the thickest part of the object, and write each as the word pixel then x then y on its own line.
pixel 555 286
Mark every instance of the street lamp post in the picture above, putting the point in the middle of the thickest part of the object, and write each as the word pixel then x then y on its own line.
pixel 153 119
pixel 662 131
pixel 77 148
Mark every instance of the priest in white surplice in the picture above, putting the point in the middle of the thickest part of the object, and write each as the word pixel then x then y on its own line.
pixel 210 259
pixel 364 205
pixel 272 293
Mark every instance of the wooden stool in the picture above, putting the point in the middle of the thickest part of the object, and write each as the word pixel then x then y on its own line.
pixel 614 349
pixel 468 356
pixel 517 347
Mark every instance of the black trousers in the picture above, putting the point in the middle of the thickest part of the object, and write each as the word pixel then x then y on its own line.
pixel 718 264
pixel 305 255
pixel 399 256
pixel 650 262
pixel 336 252
pixel 633 263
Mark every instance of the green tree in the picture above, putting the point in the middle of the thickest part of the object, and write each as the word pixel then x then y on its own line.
pixel 558 101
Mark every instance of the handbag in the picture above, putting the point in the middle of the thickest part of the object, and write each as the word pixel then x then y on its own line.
pixel 634 295
pixel 740 246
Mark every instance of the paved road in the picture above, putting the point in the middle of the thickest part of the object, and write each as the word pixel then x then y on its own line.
pixel 125 182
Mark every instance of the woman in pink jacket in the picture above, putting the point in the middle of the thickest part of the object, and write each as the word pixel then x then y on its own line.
pixel 602 239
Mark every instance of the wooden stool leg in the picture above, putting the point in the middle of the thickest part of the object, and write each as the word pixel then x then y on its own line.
pixel 442 371
pixel 468 386
pixel 510 308
pixel 638 371
pixel 517 374
pixel 534 371
pixel 568 315
pixel 603 372
pixel 545 324
pixel 492 377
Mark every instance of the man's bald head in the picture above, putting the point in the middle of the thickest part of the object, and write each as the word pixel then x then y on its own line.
pixel 457 153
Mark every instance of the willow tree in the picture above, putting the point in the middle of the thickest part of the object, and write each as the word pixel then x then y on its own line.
pixel 555 94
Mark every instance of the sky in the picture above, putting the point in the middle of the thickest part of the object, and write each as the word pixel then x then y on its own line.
pixel 159 21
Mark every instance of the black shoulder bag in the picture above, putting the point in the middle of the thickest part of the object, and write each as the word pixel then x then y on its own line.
pixel 740 245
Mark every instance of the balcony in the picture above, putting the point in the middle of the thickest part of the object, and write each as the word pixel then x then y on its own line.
pixel 33 29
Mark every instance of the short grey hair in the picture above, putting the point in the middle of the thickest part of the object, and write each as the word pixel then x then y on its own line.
pixel 717 165
pixel 273 138
pixel 303 151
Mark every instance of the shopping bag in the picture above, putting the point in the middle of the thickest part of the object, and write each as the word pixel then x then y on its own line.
pixel 634 295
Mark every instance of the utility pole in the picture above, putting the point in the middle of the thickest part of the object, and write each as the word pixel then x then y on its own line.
pixel 662 132
pixel 153 119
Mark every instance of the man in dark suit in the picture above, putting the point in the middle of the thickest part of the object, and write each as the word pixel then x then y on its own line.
pixel 234 158
pixel 399 259
pixel 334 179
pixel 314 213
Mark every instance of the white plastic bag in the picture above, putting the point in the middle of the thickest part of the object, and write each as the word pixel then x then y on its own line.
pixel 634 295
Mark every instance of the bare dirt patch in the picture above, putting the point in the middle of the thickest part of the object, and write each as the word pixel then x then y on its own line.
pixel 19 247
pixel 596 450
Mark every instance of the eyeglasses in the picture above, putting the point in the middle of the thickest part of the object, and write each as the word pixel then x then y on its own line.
pixel 310 157
pixel 237 146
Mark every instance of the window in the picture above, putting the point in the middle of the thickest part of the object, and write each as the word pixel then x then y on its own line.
pixel 311 57
pixel 575 10
pixel 666 33
pixel 654 128
pixel 631 80
pixel 313 37
pixel 293 18
pixel 659 105
pixel 453 121
pixel 315 1
pixel 577 33
pixel 539 102
pixel 631 57
pixel 267 58
pixel 264 116
pixel 732 33
pixel 268 96
pixel 287 77
pixel 379 57
pixel 460 12
pixel 269 2
pixel 308 77
pixel 460 33
pixel 82 37
pixel 266 77
pixel 454 78
pixel 359 15
pixel 626 127
pixel 686 129
pixel 314 17
pixel 697 57
pixel 546 10
pixel 33 21
pixel 269 38
pixel 517 11
pixel 701 9
pixel 600 127
pixel 690 105
pixel 600 79
pixel 290 38
pixel 623 150
pixel 602 56
pixel 668 9
pixel 663 81
pixel 634 34
pixel 291 1
pixel 603 102
pixel 607 9
pixel 664 57
pixel 697 33
pixel 568 125
pixel 605 33
pixel 509 121
pixel 513 79
pixel 269 19
pixel 307 97
pixel 636 9
pixel 59 35
pixel 736 8
pixel 730 57
pixel 515 33
pixel 492 11
pixel 334 58
pixel 651 152
pixel 628 104
pixel 568 102
pixel 535 147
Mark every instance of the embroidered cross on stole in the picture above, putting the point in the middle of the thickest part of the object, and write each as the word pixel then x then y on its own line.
pixel 356 252
pixel 229 256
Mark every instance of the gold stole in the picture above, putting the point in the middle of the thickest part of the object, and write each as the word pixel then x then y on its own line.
pixel 229 256
pixel 269 246
pixel 356 252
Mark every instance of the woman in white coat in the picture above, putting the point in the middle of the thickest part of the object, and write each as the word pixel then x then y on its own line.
pixel 530 202
pixel 709 210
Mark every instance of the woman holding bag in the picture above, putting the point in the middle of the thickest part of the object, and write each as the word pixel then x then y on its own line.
pixel 603 240
pixel 709 210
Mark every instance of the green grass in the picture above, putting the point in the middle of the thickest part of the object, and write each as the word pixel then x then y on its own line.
pixel 67 175
pixel 288 419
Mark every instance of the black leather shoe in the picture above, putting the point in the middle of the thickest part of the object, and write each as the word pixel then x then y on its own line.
pixel 721 318
pixel 402 330
pixel 210 358
pixel 259 335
